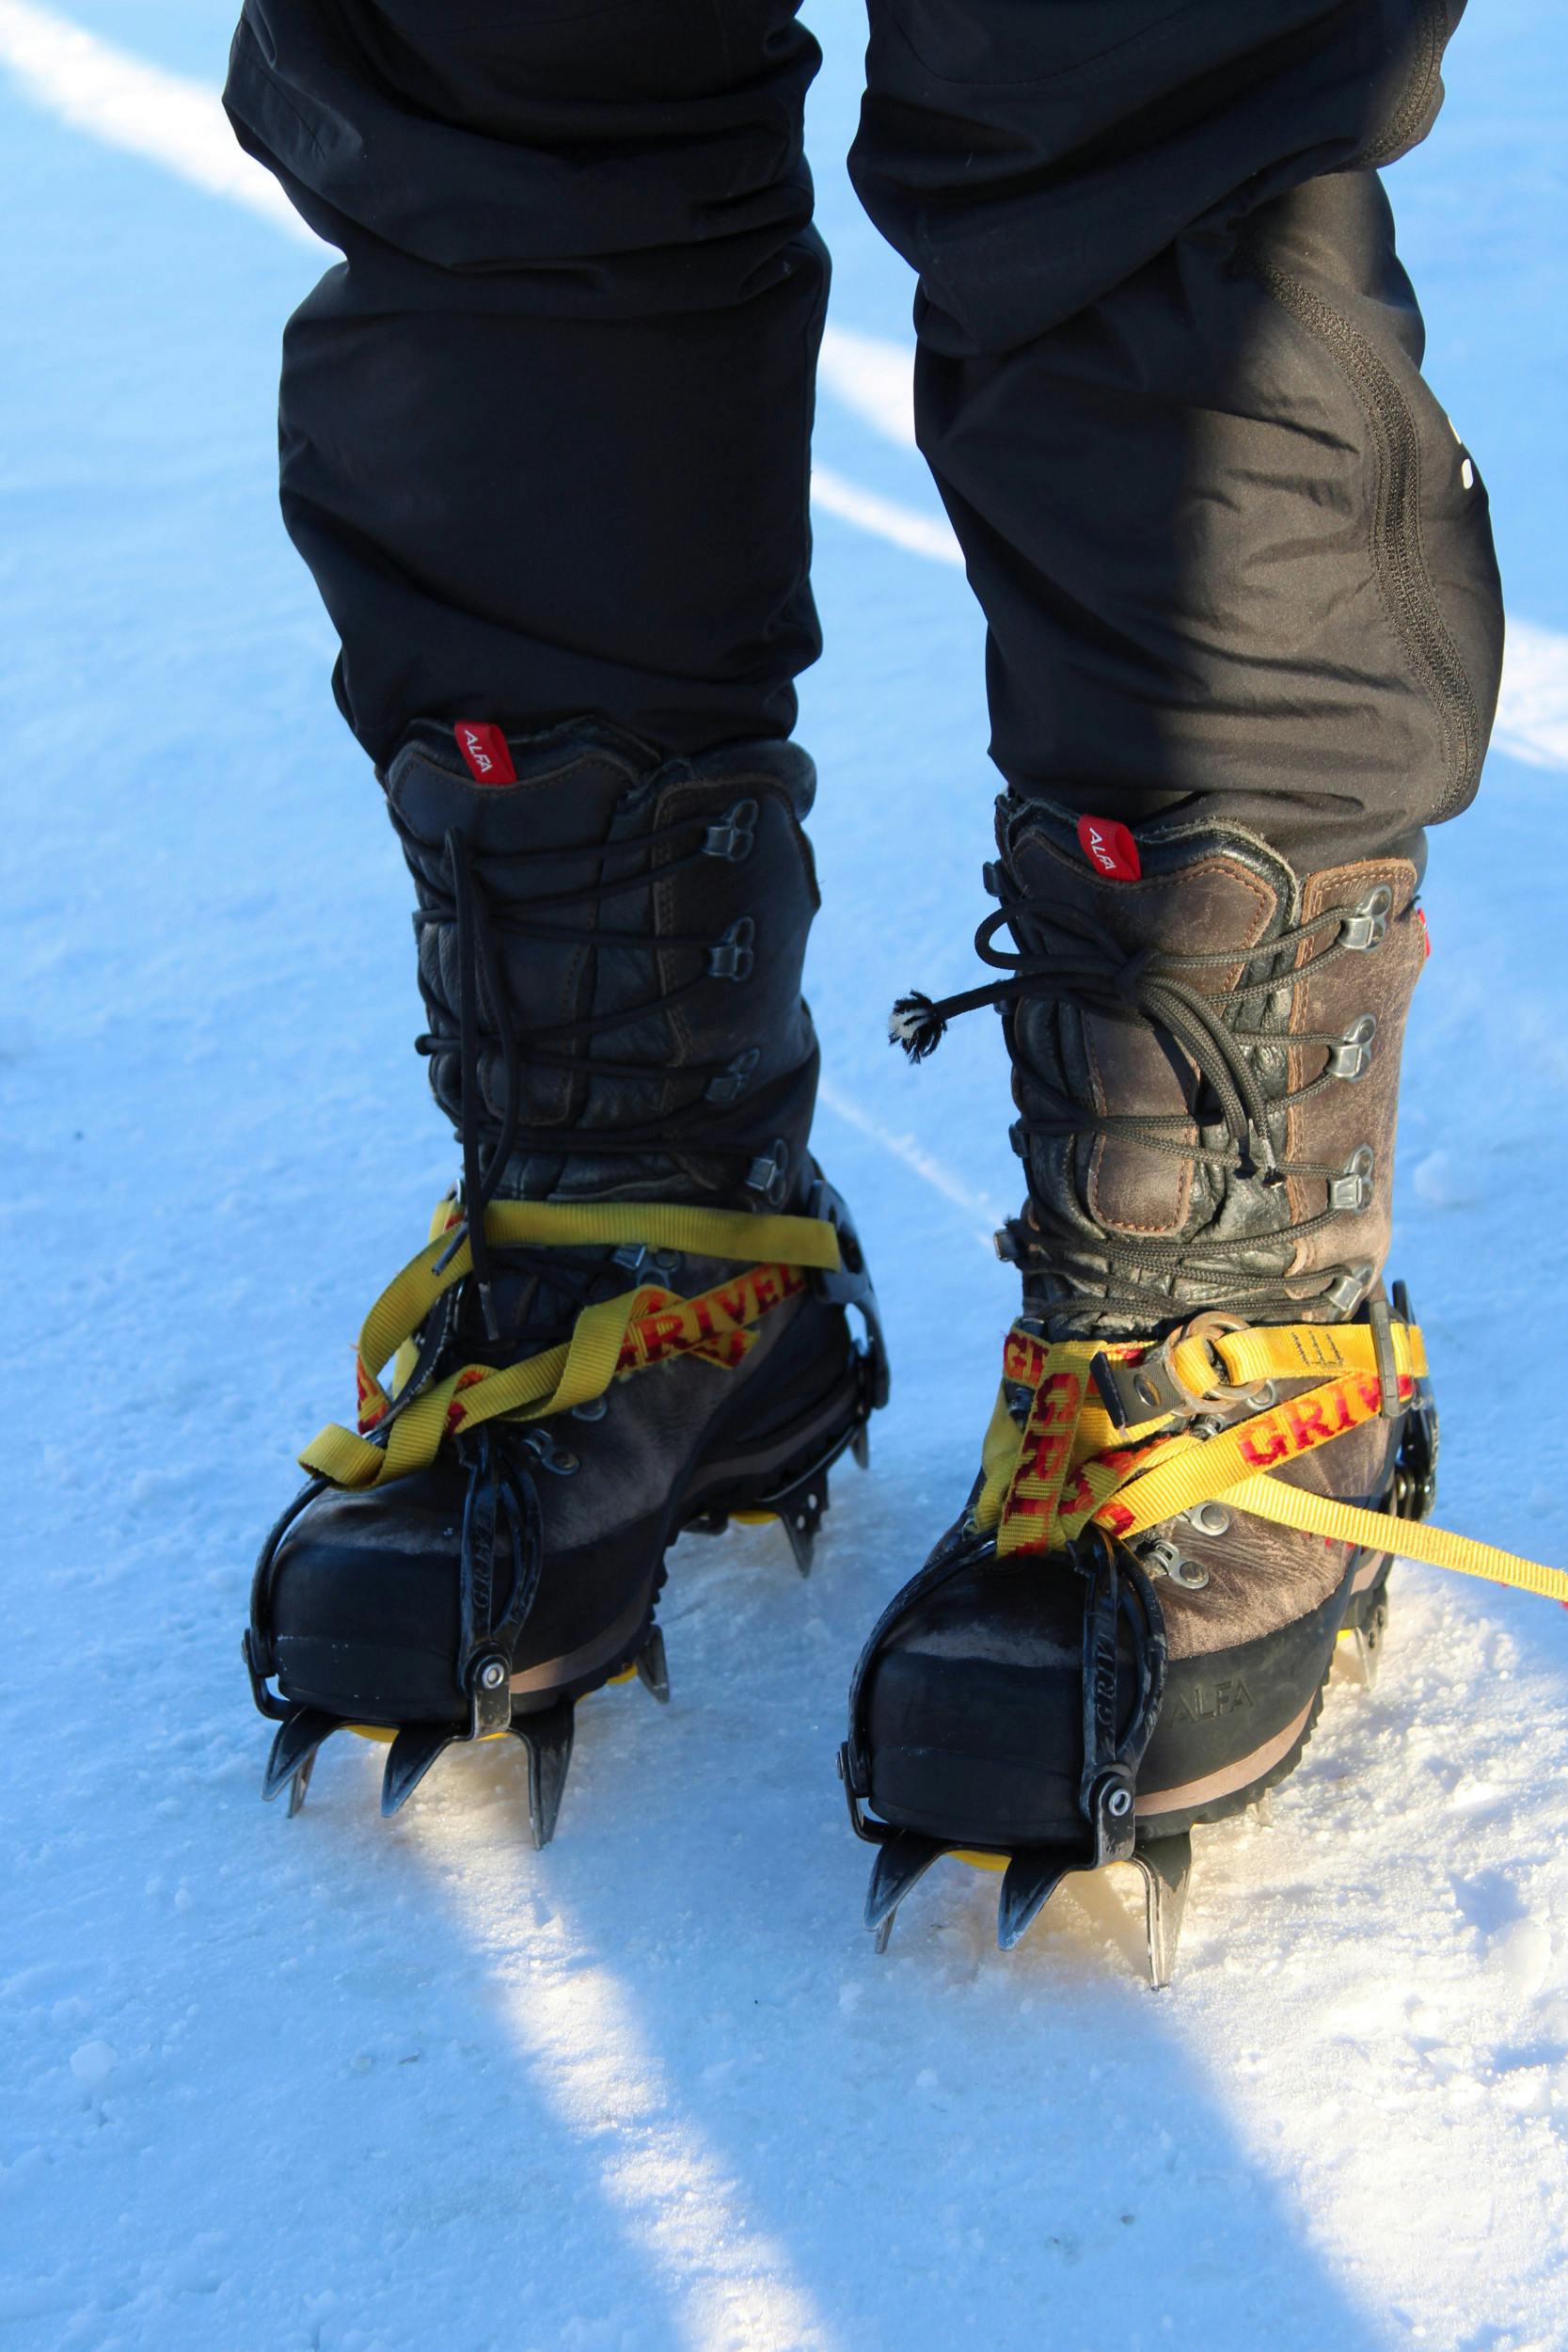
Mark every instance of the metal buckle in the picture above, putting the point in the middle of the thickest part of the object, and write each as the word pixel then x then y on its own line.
pixel 1151 1390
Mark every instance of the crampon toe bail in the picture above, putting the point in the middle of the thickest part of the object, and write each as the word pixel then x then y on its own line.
pixel 1003 1717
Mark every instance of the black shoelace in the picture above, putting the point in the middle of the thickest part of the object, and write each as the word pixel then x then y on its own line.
pixel 486 1019
pixel 1086 968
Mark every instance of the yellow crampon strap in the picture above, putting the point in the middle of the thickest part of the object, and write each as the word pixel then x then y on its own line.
pixel 610 1341
pixel 1069 1462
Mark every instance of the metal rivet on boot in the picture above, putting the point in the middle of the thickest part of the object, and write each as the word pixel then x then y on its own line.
pixel 1210 1518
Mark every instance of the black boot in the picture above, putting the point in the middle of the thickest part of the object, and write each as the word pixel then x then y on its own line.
pixel 631 1319
pixel 1129 1630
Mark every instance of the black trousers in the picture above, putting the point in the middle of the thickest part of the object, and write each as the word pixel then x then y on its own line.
pixel 544 431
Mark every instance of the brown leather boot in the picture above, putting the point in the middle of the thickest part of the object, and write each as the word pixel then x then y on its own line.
pixel 1106 1648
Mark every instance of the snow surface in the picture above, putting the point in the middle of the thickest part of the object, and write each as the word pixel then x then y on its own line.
pixel 334 2085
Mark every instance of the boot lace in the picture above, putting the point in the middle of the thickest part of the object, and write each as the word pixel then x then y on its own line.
pixel 1084 967
pixel 458 900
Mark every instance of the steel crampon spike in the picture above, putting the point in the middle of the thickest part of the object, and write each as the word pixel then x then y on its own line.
pixel 409 1757
pixel 1031 1878
pixel 1166 1868
pixel 653 1670
pixel 800 1512
pixel 1366 1646
pixel 548 1737
pixel 905 1857
pixel 293 1754
pixel 300 1784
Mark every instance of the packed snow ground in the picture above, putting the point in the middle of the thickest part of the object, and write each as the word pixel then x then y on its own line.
pixel 334 2086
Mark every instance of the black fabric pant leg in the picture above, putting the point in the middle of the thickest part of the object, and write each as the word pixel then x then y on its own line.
pixel 1168 383
pixel 545 432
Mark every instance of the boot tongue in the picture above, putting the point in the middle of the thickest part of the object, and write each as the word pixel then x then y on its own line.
pixel 1169 888
pixel 545 793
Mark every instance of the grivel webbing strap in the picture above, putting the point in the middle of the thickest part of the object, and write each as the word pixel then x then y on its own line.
pixel 610 1341
pixel 1070 1463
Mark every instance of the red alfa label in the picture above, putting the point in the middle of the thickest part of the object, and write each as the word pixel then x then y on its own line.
pixel 1109 848
pixel 483 749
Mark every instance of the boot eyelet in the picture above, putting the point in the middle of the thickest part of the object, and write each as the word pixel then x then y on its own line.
pixel 1163 1559
pixel 770 1174
pixel 551 1457
pixel 1367 920
pixel 733 957
pixel 1348 1289
pixel 732 838
pixel 730 1083
pixel 1353 1056
pixel 1352 1193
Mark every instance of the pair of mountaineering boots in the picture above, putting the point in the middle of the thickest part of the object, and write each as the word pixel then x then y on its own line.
pixel 643 1310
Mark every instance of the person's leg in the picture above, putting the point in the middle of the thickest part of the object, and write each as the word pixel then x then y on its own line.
pixel 1245 632
pixel 544 429
pixel 1168 383
pixel 545 447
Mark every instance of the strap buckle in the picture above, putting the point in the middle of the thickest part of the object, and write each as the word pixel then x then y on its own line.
pixel 1153 1389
